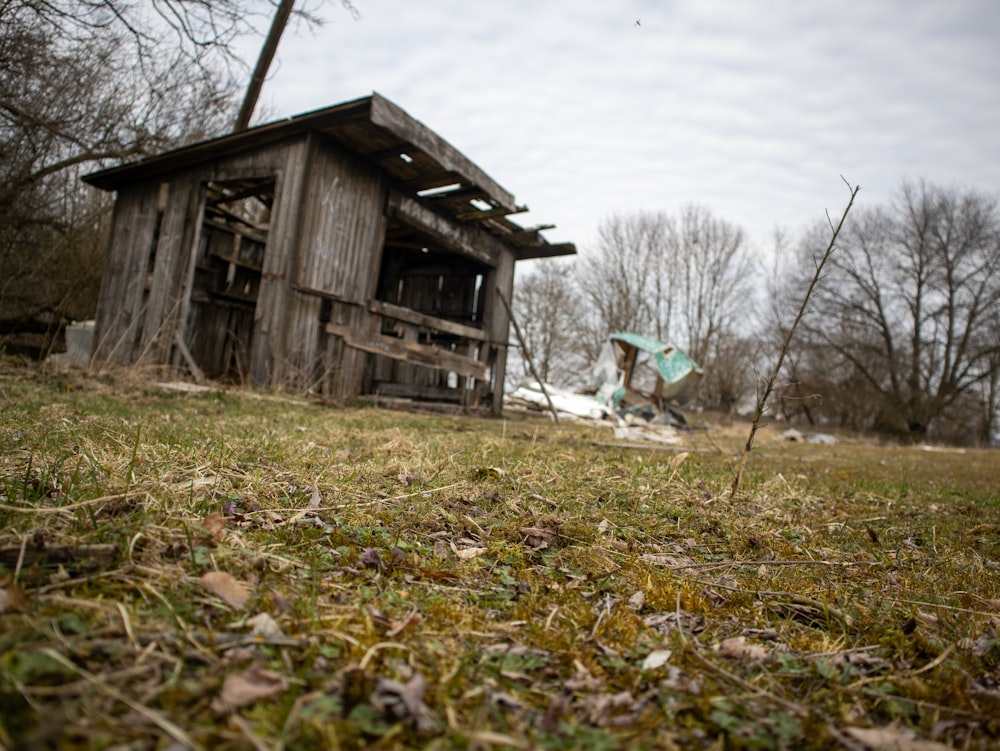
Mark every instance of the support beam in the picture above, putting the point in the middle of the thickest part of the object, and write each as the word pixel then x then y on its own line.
pixel 461 238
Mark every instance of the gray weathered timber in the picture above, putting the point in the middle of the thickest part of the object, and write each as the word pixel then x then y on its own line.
pixel 343 252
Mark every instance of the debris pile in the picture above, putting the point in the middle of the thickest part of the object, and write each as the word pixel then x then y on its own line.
pixel 636 382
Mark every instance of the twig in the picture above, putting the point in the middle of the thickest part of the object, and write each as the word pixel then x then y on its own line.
pixel 152 715
pixel 730 564
pixel 791 706
pixel 769 384
pixel 61 509
pixel 378 647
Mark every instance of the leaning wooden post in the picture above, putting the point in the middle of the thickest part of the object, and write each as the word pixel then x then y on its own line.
pixel 527 355
pixel 263 63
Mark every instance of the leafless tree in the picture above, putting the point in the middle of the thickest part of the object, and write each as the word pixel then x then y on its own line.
pixel 84 83
pixel 908 309
pixel 546 305
pixel 712 279
pixel 685 280
pixel 622 280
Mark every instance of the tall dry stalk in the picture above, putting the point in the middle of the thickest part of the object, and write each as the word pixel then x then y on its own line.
pixel 769 384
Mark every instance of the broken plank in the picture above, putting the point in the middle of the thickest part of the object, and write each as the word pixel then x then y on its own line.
pixel 462 238
pixel 422 319
pixel 411 352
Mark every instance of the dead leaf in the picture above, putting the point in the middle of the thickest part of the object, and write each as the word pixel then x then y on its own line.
pixel 656 659
pixel 13 599
pixel 893 739
pixel 611 710
pixel 251 685
pixel 636 601
pixel 691 623
pixel 603 526
pixel 403 701
pixel 537 538
pixel 214 525
pixel 264 625
pixel 232 591
pixel 738 647
pixel 583 680
pixel 465 554
pixel 315 500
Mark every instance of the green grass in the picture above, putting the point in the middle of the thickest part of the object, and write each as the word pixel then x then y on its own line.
pixel 453 582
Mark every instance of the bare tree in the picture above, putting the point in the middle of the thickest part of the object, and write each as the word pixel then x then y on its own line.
pixel 545 301
pixel 84 83
pixel 712 279
pixel 80 85
pixel 687 281
pixel 908 309
pixel 622 281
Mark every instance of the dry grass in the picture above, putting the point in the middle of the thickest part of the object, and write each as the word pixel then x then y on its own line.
pixel 380 579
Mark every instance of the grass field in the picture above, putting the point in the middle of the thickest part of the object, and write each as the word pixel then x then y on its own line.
pixel 233 570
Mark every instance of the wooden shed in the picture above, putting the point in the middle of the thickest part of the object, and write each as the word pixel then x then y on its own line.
pixel 347 251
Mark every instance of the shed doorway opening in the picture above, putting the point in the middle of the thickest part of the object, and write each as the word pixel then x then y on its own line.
pixel 230 260
pixel 432 296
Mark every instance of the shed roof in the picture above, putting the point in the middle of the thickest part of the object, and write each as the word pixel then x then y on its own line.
pixel 417 159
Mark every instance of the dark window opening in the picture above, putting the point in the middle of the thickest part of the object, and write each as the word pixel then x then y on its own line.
pixel 419 274
pixel 432 288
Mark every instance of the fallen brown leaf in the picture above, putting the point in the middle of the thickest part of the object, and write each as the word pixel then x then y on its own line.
pixel 214 525
pixel 264 625
pixel 232 591
pixel 403 701
pixel 893 739
pixel 738 647
pixel 537 538
pixel 465 554
pixel 656 659
pixel 251 685
pixel 637 601
pixel 12 598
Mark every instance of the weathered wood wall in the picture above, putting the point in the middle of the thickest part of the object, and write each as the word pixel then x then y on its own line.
pixel 313 327
pixel 341 226
pixel 121 305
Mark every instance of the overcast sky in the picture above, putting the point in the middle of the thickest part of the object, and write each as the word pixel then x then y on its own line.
pixel 752 108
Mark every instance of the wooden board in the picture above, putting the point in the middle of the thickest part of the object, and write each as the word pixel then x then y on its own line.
pixel 411 352
pixel 461 238
pixel 431 322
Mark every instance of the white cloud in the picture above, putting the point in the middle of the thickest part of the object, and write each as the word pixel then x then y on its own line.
pixel 754 108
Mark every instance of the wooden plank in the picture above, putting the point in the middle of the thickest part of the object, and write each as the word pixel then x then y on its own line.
pixel 120 306
pixel 465 239
pixel 410 352
pixel 421 319
pixel 496 322
pixel 269 345
pixel 388 115
pixel 341 219
pixel 169 269
pixel 417 391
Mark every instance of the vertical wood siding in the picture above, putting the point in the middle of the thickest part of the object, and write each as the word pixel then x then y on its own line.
pixel 120 306
pixel 342 224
